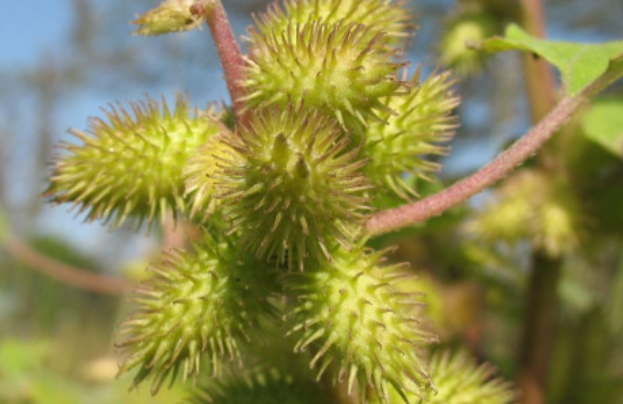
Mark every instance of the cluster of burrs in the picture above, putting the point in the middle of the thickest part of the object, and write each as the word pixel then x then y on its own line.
pixel 331 122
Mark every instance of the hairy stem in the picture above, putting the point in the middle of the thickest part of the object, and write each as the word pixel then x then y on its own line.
pixel 228 50
pixel 520 151
pixel 394 219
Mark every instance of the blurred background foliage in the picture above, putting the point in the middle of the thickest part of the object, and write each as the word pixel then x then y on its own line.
pixel 564 210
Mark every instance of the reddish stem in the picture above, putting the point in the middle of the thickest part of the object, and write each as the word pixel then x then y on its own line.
pixel 228 50
pixel 67 274
pixel 394 219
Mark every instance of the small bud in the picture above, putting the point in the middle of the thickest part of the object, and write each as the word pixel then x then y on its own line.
pixel 170 16
pixel 281 150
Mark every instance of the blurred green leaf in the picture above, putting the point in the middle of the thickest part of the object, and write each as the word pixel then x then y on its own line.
pixel 20 361
pixel 616 303
pixel 575 297
pixel 580 64
pixel 4 224
pixel 53 390
pixel 603 124
pixel 19 357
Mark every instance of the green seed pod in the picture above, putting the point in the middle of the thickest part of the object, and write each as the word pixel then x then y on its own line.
pixel 423 120
pixel 462 31
pixel 196 304
pixel 298 189
pixel 460 381
pixel 394 20
pixel 170 16
pixel 201 173
pixel 336 68
pixel 531 206
pixel 131 166
pixel 357 324
pixel 262 387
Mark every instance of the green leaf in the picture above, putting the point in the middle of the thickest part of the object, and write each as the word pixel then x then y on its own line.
pixel 580 64
pixel 18 358
pixel 51 389
pixel 603 124
pixel 4 225
pixel 616 303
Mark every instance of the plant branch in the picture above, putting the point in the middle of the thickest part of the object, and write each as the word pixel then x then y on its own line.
pixel 394 219
pixel 539 327
pixel 541 306
pixel 228 49
pixel 67 274
pixel 539 74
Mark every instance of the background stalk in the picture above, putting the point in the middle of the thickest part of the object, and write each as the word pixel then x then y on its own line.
pixel 539 328
pixel 542 303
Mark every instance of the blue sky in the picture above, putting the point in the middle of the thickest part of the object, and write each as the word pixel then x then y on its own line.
pixel 29 28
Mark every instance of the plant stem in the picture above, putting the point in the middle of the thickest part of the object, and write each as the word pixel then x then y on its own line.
pixel 174 234
pixel 394 219
pixel 539 75
pixel 228 50
pixel 541 306
pixel 539 327
pixel 65 273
